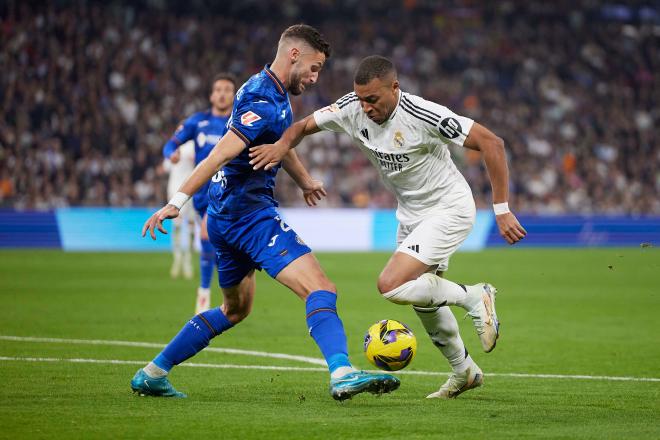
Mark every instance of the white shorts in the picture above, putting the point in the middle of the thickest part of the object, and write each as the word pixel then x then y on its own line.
pixel 437 236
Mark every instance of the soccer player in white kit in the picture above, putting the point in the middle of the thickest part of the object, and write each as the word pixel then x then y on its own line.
pixel 406 138
pixel 184 224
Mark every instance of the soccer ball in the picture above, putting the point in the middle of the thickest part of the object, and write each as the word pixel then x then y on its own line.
pixel 390 345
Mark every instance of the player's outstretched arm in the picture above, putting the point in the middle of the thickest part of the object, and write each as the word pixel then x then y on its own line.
pixel 225 150
pixel 184 132
pixel 312 189
pixel 492 149
pixel 268 155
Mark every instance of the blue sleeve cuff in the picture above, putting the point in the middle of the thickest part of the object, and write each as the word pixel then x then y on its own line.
pixel 169 148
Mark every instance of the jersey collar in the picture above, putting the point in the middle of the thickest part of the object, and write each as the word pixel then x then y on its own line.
pixel 275 79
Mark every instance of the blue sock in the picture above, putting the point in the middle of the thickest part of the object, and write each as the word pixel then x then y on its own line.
pixel 327 329
pixel 206 264
pixel 193 338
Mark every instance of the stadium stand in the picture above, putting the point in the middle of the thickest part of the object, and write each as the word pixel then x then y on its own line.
pixel 90 92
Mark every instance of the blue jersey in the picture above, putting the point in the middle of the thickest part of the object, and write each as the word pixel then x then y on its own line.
pixel 261 114
pixel 206 130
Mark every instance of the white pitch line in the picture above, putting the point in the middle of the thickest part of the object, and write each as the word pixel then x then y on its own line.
pixel 305 359
pixel 185 364
pixel 313 369
pixel 270 355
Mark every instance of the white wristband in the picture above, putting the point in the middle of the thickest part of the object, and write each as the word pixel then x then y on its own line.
pixel 178 200
pixel 501 208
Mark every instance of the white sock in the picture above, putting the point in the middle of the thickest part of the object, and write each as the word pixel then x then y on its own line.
pixel 430 290
pixel 176 239
pixel 187 262
pixel 342 371
pixel 203 302
pixel 441 326
pixel 154 371
pixel 177 258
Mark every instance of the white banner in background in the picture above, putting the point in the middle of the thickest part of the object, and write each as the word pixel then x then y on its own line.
pixel 331 229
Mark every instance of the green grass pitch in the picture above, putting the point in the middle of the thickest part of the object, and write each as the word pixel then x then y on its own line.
pixel 563 312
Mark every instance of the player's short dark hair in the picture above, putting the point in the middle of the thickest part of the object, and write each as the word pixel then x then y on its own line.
pixel 225 76
pixel 309 35
pixel 371 67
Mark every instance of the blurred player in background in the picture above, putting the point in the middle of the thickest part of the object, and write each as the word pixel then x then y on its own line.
pixel 406 139
pixel 184 225
pixel 248 232
pixel 205 129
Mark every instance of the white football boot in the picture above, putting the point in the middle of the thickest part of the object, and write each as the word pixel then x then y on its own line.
pixel 483 315
pixel 459 383
pixel 203 300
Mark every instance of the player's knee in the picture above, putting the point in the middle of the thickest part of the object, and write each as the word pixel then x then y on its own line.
pixel 237 309
pixel 387 283
pixel 237 314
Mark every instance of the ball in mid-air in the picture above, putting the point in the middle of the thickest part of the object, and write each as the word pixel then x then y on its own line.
pixel 390 345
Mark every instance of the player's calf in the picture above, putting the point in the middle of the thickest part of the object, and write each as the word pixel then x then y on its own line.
pixel 428 290
pixel 193 337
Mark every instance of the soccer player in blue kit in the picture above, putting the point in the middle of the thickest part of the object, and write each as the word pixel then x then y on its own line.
pixel 205 129
pixel 248 233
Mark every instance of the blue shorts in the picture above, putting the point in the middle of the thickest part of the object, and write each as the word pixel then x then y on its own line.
pixel 258 240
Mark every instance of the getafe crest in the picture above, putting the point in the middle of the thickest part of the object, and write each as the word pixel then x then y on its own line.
pixel 398 139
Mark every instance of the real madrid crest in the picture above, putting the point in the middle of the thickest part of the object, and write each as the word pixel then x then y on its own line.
pixel 398 139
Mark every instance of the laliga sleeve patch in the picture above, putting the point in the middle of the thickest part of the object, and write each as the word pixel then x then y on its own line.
pixel 248 118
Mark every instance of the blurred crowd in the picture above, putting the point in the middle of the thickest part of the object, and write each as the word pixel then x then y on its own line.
pixel 91 91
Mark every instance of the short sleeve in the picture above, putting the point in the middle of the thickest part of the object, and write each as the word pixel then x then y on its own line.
pixel 442 122
pixel 186 130
pixel 336 117
pixel 251 117
pixel 455 128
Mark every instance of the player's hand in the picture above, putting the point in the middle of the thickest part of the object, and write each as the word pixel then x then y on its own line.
pixel 156 220
pixel 313 192
pixel 510 228
pixel 268 155
pixel 175 157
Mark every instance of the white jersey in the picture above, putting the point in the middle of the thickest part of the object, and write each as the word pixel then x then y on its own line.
pixel 410 150
pixel 182 169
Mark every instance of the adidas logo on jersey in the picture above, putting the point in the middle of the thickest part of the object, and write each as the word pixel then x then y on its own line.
pixel 365 133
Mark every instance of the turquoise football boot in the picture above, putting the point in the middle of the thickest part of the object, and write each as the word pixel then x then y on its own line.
pixel 358 382
pixel 148 386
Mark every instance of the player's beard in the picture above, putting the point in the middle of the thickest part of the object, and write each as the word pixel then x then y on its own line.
pixel 296 82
